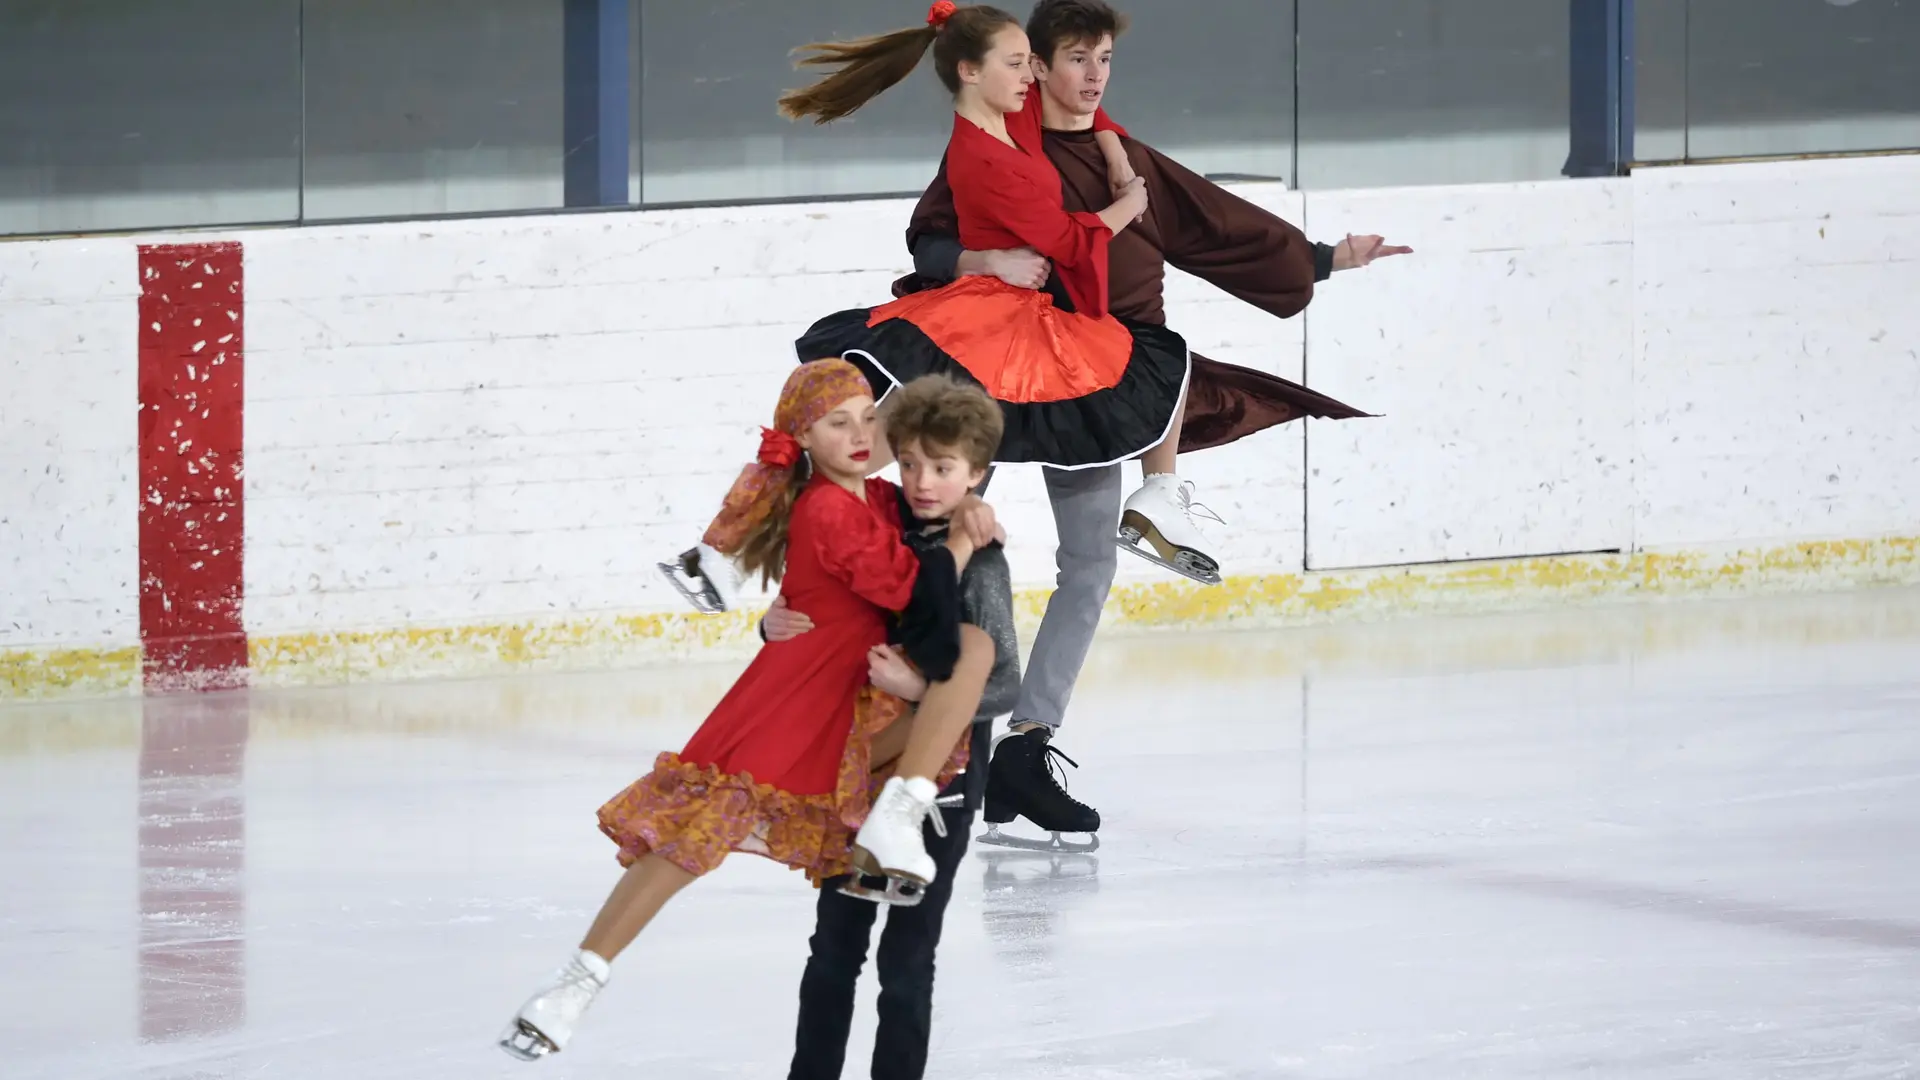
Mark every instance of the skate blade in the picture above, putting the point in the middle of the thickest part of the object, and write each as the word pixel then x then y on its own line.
pixel 1188 564
pixel 864 862
pixel 525 1042
pixel 898 893
pixel 995 837
pixel 704 600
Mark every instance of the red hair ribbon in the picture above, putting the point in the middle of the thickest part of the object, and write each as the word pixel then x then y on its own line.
pixel 779 449
pixel 940 12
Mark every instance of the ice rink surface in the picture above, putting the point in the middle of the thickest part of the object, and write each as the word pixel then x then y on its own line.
pixel 1674 840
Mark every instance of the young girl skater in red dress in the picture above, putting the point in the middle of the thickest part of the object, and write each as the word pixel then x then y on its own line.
pixel 782 766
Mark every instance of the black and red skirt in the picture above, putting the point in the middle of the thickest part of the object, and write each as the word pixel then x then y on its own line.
pixel 1077 392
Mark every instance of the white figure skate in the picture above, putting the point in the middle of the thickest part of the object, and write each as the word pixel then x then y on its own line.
pixel 1158 525
pixel 546 1022
pixel 889 842
pixel 898 892
pixel 706 578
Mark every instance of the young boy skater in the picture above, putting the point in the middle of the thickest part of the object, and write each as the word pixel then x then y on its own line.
pixel 943 434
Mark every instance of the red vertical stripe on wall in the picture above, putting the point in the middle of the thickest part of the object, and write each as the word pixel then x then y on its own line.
pixel 192 400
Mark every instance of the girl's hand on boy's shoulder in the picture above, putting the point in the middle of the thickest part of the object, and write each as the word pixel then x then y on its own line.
pixel 976 519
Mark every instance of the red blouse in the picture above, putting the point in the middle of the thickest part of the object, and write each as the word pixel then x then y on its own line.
pixel 1010 196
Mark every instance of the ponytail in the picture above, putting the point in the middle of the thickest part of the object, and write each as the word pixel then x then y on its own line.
pixel 871 65
pixel 868 67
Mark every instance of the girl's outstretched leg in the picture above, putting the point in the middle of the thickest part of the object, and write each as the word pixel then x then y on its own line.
pixel 545 1023
pixel 637 897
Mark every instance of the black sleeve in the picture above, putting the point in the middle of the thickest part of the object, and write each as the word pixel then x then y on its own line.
pixel 1322 261
pixel 936 257
pixel 929 629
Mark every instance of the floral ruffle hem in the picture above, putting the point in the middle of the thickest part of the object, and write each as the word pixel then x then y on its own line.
pixel 694 815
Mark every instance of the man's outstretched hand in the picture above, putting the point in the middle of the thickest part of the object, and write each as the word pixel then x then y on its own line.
pixel 1357 251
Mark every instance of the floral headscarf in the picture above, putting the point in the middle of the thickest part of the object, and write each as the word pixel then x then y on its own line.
pixel 812 391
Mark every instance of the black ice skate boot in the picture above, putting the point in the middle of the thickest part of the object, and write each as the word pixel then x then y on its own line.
pixel 1024 781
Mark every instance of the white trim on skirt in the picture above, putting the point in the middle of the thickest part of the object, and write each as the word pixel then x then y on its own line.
pixel 1178 410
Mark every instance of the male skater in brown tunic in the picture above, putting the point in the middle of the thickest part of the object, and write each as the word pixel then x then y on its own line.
pixel 1196 226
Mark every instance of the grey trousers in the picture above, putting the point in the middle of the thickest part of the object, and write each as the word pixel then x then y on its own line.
pixel 1086 513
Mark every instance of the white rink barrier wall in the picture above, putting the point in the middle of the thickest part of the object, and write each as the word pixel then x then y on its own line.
pixel 466 444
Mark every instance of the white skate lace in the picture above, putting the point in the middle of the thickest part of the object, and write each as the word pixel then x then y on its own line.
pixel 576 979
pixel 1194 510
pixel 910 812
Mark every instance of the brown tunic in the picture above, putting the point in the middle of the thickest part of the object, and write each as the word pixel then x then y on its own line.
pixel 1204 230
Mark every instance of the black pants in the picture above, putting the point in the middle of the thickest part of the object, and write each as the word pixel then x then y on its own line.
pixel 843 925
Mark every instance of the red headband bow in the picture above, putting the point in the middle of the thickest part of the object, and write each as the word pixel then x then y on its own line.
pixel 777 448
pixel 940 12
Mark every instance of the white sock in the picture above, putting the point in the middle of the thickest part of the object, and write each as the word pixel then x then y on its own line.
pixel 594 963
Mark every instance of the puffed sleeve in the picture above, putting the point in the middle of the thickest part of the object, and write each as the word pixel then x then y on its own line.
pixel 862 551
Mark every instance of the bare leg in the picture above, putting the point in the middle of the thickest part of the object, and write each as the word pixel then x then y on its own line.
pixel 640 894
pixel 890 743
pixel 948 707
pixel 1162 458
pixel 545 1024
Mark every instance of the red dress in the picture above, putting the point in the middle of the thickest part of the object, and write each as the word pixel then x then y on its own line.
pixel 1078 386
pixel 781 766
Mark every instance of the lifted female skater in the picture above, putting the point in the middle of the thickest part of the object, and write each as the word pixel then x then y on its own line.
pixel 782 766
pixel 1081 388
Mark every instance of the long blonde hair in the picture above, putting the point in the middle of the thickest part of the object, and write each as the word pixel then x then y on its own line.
pixel 868 66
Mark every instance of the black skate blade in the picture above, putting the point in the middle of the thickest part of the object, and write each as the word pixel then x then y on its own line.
pixel 704 600
pixel 1204 577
